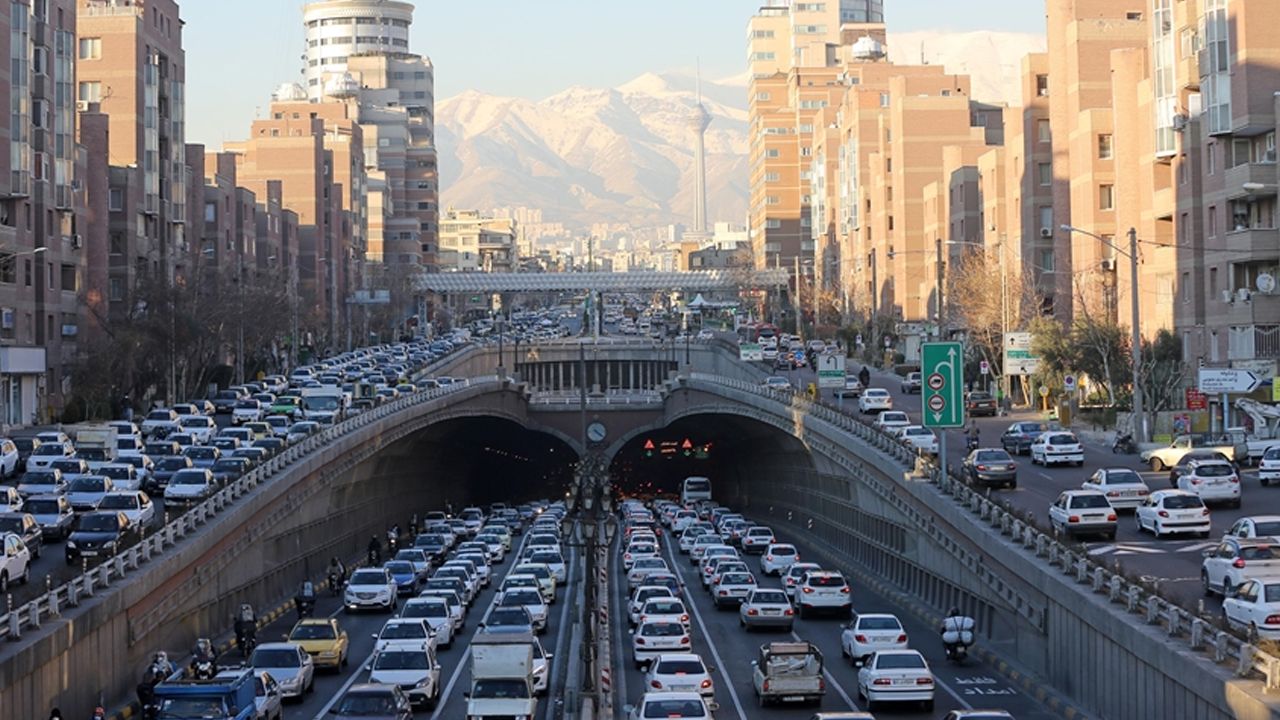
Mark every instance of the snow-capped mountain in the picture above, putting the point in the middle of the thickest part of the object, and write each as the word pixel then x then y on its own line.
pixel 624 154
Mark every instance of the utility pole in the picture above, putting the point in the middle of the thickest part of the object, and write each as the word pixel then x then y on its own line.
pixel 1140 417
pixel 1004 322
pixel 942 278
pixel 799 317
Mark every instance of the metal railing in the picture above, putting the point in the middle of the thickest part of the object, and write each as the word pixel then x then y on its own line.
pixel 609 398
pixel 1201 633
pixel 72 593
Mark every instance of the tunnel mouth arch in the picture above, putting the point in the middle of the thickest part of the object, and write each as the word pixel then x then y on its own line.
pixel 481 459
pixel 729 449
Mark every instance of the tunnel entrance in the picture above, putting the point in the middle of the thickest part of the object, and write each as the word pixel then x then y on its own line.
pixel 480 460
pixel 728 449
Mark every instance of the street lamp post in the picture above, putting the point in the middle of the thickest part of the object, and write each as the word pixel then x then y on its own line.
pixel 1140 418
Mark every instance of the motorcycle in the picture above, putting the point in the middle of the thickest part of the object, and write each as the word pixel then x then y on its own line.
pixel 957 636
pixel 971 443
pixel 375 558
pixel 1124 444
pixel 306 607
pixel 335 582
pixel 246 638
pixel 393 544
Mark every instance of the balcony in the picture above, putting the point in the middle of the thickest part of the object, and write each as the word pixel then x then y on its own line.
pixel 112 10
pixel 1249 243
pixel 1260 179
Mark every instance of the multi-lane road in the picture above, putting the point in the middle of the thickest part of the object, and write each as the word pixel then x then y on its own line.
pixel 455 661
pixel 730 649
pixel 1174 562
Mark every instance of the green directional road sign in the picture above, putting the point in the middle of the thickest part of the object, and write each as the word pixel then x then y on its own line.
pixel 943 370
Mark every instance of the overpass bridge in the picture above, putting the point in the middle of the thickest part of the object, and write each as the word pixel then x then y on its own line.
pixel 857 497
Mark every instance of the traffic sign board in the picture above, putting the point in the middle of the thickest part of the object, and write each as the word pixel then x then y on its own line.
pixel 984 367
pixel 1044 391
pixel 1018 358
pixel 943 364
pixel 1069 382
pixel 1226 380
pixel 831 370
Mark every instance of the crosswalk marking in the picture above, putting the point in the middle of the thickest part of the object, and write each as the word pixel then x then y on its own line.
pixel 1157 548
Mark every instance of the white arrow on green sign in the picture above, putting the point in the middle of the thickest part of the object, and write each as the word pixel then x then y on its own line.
pixel 942 366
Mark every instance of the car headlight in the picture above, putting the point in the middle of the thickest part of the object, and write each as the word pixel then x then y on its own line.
pixel 71 544
pixel 328 653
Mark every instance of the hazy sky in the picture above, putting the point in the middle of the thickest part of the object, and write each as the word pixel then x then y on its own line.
pixel 239 51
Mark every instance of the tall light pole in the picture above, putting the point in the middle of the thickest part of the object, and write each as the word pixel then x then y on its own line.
pixel 1140 422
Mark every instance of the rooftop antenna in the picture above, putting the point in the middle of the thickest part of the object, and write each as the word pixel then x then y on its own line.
pixel 923 61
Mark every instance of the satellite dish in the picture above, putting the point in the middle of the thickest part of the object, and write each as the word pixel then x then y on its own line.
pixel 1266 283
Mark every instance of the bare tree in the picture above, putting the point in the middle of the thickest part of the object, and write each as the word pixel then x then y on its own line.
pixel 985 305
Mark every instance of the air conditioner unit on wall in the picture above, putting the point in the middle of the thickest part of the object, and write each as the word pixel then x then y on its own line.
pixel 77 241
pixel 1179 122
pixel 1242 295
pixel 1046 232
pixel 1109 264
pixel 1227 297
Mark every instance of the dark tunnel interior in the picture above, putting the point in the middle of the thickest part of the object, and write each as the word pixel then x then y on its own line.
pixel 728 449
pixel 480 460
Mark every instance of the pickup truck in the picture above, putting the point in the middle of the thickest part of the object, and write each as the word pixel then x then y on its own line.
pixel 788 672
pixel 1230 444
pixel 222 698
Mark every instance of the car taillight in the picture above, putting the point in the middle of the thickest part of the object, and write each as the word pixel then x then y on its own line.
pixel 751 581
pixel 1205 512
pixel 644 618
pixel 655 684
pixel 1143 492
pixel 1195 481
pixel 982 467
pixel 1163 514
pixel 788 612
pixel 924 681
pixel 860 638
pixel 1073 518
pixel 1113 493
pixel 845 590
pixel 1234 479
pixel 902 638
pixel 1239 563
pixel 1048 448
pixel 882 681
pixel 753 611
pixel 706 683
pixel 1111 517
pixel 684 618
pixel 1272 620
pixel 639 640
pixel 765 685
pixel 684 640
pixel 724 592
pixel 807 589
pixel 822 683
pixel 769 558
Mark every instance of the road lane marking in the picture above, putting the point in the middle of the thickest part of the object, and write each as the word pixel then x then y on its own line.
pixel 831 679
pixel 621 617
pixel 711 645
pixel 355 675
pixel 448 688
pixel 558 658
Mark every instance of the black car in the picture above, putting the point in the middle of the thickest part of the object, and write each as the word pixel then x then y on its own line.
pixel 229 469
pixel 272 445
pixel 1180 469
pixel 1018 438
pixel 98 534
pixel 990 467
pixel 25 446
pixel 374 702
pixel 433 545
pixel 225 401
pixel 164 472
pixel 980 402
pixel 23 525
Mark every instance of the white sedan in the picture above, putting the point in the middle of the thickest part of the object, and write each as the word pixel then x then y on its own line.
pixel 919 438
pixel 1124 488
pixel 874 400
pixel 135 505
pixel 1255 608
pixel 1083 512
pixel 1057 447
pixel 892 421
pixel 651 639
pixel 896 676
pixel 1168 512
pixel 680 672
pixel 777 558
pixel 870 633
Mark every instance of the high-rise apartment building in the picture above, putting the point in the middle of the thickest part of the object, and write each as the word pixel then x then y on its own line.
pixel 360 49
pixel 471 241
pixel 131 63
pixel 42 256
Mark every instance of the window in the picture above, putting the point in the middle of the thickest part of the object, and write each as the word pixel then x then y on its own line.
pixel 771 177
pixel 1186 287
pixel 1042 85
pixel 1043 132
pixel 69 279
pixel 1213 282
pixel 211 212
pixel 772 224
pixel 1211 158
pixel 762 34
pixel 1213 221
pixel 1044 172
pixel 90 48
pixel 115 289
pixel 772 200
pixel 90 92
pixel 115 200
pixel 762 96
pixel 1104 146
pixel 116 244
pixel 1046 261
pixel 758 56
pixel 771 152
pixel 1046 218
pixel 8 269
pixel 1106 197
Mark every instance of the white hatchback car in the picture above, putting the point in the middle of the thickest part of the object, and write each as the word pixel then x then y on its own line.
pixel 777 558
pixel 1168 512
pixel 680 672
pixel 1269 466
pixel 1055 447
pixel 651 639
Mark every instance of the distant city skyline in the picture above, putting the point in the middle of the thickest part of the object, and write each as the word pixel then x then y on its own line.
pixel 239 51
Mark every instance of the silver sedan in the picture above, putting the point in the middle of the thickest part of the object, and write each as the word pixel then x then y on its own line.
pixel 766 607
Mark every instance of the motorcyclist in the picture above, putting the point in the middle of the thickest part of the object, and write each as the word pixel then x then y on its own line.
pixel 246 626
pixel 203 653
pixel 955 624
pixel 393 536
pixel 375 551
pixel 973 440
pixel 147 693
pixel 160 664
pixel 336 573
pixel 305 600
pixel 864 376
pixel 99 713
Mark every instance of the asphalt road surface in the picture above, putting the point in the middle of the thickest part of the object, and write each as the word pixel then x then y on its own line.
pixel 730 649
